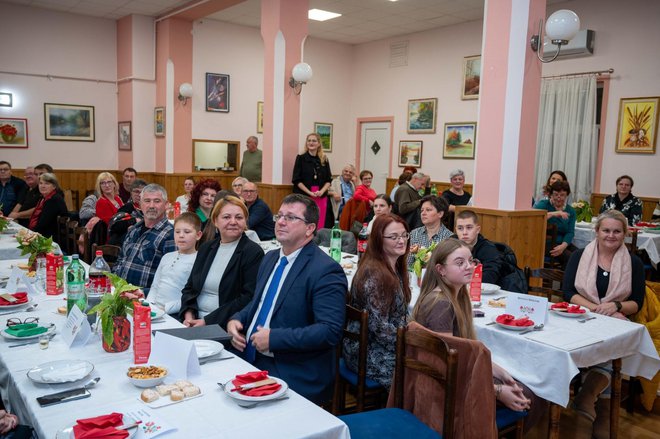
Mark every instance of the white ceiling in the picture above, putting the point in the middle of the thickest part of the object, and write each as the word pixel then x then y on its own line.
pixel 361 20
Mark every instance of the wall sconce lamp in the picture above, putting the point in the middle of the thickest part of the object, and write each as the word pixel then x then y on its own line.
pixel 560 28
pixel 6 100
pixel 300 74
pixel 185 92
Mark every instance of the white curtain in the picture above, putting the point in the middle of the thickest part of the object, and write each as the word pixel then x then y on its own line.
pixel 567 138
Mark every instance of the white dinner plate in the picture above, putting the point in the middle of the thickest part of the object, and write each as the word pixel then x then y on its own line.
pixel 571 314
pixel 16 306
pixel 60 371
pixel 8 336
pixel 67 433
pixel 236 395
pixel 487 288
pixel 207 348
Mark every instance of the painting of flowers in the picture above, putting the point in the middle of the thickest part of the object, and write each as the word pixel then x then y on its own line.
pixel 422 115
pixel 638 125
pixel 13 133
pixel 460 140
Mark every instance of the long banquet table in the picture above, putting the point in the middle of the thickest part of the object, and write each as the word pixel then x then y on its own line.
pixel 211 415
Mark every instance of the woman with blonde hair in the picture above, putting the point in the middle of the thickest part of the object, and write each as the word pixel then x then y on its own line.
pixel 312 177
pixel 109 201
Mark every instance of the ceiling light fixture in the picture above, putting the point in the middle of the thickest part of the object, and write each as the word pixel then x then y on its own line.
pixel 560 28
pixel 321 15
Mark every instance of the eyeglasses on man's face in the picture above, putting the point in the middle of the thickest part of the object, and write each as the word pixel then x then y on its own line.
pixel 288 218
pixel 404 236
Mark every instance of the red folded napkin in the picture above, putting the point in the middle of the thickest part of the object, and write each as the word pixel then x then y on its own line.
pixel 571 309
pixel 21 298
pixel 253 377
pixel 509 320
pixel 100 427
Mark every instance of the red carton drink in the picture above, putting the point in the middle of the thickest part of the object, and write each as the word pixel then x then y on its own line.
pixel 54 274
pixel 141 333
pixel 475 284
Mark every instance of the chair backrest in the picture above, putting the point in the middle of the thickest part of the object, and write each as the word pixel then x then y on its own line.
pixel 446 378
pixel 71 238
pixel 60 233
pixel 632 245
pixel 72 200
pixel 545 282
pixel 83 236
pixel 110 253
pixel 348 242
pixel 362 338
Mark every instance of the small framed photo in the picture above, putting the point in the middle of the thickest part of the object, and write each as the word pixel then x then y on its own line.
pixel 410 153
pixel 125 141
pixel 217 92
pixel 73 123
pixel 324 130
pixel 637 131
pixel 421 115
pixel 460 140
pixel 159 121
pixel 471 77
pixel 260 117
pixel 13 133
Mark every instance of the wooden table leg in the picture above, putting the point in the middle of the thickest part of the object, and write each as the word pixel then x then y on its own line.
pixel 615 398
pixel 553 425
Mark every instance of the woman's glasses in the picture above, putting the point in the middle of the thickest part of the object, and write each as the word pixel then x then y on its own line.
pixel 16 321
pixel 465 263
pixel 404 236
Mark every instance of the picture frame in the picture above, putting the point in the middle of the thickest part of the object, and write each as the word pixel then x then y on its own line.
pixel 422 114
pixel 637 129
pixel 410 153
pixel 65 122
pixel 324 130
pixel 159 121
pixel 471 77
pixel 124 136
pixel 460 140
pixel 13 132
pixel 217 92
pixel 260 117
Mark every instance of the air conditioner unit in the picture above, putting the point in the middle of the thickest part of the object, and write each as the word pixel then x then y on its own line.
pixel 581 45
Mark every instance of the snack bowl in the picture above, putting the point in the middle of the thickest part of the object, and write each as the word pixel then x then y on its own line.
pixel 146 376
pixel 487 288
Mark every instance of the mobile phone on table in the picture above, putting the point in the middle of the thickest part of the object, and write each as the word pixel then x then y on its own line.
pixel 60 397
pixel 478 313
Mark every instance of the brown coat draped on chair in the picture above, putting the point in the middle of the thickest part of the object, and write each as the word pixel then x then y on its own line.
pixel 353 211
pixel 475 395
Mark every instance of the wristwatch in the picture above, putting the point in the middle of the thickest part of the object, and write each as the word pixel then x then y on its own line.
pixel 618 306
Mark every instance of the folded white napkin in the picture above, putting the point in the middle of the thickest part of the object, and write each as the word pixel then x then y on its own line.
pixel 62 375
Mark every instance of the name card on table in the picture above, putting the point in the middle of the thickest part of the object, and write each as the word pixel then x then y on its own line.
pixel 525 305
pixel 177 354
pixel 17 277
pixel 77 330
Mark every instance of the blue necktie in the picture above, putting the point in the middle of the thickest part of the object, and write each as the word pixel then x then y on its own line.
pixel 250 351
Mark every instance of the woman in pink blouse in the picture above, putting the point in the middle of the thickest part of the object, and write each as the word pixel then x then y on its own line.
pixel 364 192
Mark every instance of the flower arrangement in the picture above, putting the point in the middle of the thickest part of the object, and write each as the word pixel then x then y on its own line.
pixel 34 244
pixel 4 222
pixel 422 257
pixel 8 132
pixel 582 211
pixel 116 304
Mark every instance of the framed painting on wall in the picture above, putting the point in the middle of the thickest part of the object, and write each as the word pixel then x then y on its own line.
pixel 471 77
pixel 13 133
pixel 637 131
pixel 460 140
pixel 73 123
pixel 159 121
pixel 260 117
pixel 124 136
pixel 324 130
pixel 217 92
pixel 421 115
pixel 410 153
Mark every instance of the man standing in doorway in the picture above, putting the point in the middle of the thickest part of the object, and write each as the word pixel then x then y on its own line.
pixel 251 164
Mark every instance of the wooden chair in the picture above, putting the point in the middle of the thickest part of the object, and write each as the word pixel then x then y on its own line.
pixel 399 423
pixel 348 241
pixel 550 280
pixel 60 233
pixel 110 252
pixel 367 390
pixel 83 235
pixel 632 245
pixel 71 239
pixel 550 261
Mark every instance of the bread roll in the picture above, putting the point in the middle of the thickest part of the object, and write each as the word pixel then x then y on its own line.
pixel 149 395
pixel 165 389
pixel 181 384
pixel 191 391
pixel 177 395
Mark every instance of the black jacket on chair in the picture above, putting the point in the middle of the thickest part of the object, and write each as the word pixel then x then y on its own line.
pixel 236 286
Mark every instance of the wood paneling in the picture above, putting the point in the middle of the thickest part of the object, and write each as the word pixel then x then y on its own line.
pixel 648 205
pixel 522 230
pixel 440 185
pixel 273 194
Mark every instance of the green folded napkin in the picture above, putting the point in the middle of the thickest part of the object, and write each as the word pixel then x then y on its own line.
pixel 26 330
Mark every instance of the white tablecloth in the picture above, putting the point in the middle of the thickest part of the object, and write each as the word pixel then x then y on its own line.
pixel 8 244
pixel 212 415
pixel 547 370
pixel 649 242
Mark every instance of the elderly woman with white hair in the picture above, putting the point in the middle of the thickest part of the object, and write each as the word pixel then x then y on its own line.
pixel 237 185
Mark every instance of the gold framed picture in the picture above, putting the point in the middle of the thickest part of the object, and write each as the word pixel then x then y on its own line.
pixel 637 130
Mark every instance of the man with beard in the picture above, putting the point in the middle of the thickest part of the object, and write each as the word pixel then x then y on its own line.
pixel 146 242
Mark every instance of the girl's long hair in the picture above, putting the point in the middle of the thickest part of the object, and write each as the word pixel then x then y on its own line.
pixel 435 288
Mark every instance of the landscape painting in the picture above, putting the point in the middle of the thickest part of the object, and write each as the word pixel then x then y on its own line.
pixel 460 140
pixel 421 115
pixel 69 122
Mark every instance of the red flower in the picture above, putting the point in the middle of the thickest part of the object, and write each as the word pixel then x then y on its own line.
pixel 8 130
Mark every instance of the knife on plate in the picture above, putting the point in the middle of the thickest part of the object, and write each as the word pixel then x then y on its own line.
pixel 249 386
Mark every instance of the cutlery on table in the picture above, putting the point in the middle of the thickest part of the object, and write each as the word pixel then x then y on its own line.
pixel 586 319
pixel 266 382
pixel 213 360
pixel 129 426
pixel 538 327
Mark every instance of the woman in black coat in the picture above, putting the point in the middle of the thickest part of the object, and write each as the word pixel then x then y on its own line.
pixel 312 177
pixel 49 207
pixel 223 278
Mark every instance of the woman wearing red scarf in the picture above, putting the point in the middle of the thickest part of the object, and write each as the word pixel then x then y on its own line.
pixel 51 205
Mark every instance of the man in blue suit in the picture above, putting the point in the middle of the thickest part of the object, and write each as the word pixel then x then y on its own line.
pixel 295 319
